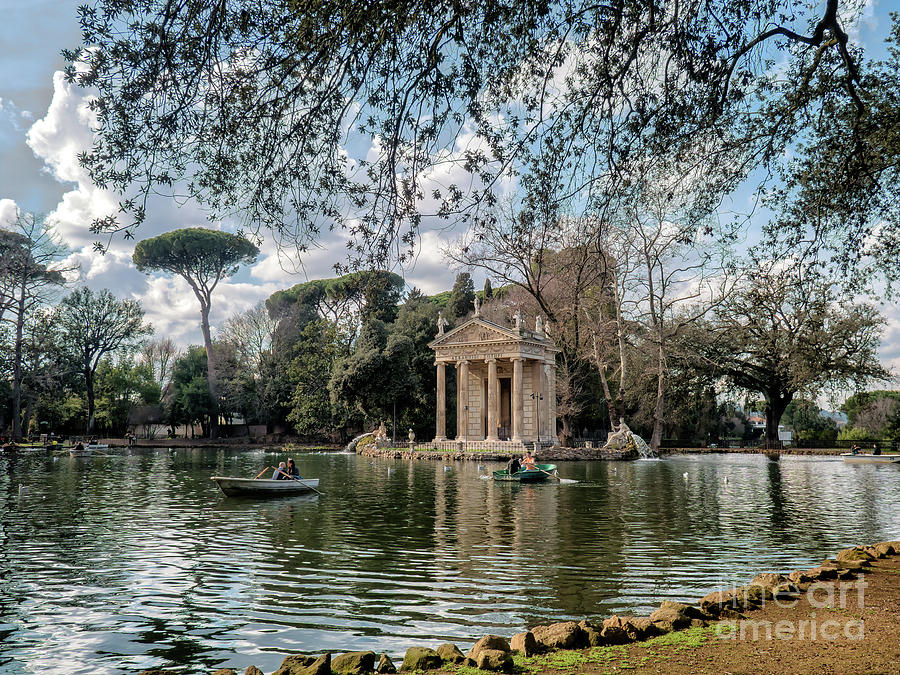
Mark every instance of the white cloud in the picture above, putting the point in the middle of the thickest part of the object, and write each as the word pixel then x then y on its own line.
pixel 64 131
pixel 8 212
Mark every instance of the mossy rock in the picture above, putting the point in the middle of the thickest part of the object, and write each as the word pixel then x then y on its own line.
pixel 353 663
pixel 421 658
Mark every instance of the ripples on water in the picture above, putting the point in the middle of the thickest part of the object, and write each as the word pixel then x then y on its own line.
pixel 124 563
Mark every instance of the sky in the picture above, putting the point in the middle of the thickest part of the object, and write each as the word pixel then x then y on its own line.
pixel 44 124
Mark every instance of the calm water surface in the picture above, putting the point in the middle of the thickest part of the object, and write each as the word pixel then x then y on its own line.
pixel 119 564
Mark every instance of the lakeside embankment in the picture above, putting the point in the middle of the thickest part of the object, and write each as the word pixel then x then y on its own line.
pixel 560 454
pixel 553 453
pixel 838 617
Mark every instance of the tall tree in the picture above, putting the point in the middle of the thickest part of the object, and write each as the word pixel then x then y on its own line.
pixel 462 296
pixel 95 325
pixel 201 257
pixel 787 332
pixel 29 275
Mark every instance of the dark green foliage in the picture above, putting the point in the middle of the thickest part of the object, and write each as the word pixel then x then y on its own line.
pixel 807 421
pixel 191 401
pixel 378 374
pixel 119 388
pixel 313 414
pixel 462 297
pixel 95 325
pixel 488 292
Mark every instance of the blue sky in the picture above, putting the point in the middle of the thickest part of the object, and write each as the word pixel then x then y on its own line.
pixel 43 125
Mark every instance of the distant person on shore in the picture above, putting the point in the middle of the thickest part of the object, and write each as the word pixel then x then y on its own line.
pixel 854 449
pixel 875 449
pixel 513 466
pixel 293 471
pixel 280 472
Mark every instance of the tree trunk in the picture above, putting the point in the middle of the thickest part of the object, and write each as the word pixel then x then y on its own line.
pixel 601 367
pixel 656 437
pixel 89 386
pixel 620 337
pixel 775 407
pixel 17 366
pixel 210 370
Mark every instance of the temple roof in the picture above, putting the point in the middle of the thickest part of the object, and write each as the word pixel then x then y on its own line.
pixel 479 330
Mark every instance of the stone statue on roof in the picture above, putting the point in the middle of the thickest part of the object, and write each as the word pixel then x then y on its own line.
pixel 441 323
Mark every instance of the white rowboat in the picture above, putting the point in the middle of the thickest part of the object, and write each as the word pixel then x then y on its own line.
pixel 264 487
pixel 869 458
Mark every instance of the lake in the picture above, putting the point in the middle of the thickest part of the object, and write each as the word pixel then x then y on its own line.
pixel 118 564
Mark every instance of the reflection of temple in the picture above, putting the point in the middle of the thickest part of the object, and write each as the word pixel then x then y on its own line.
pixel 506 385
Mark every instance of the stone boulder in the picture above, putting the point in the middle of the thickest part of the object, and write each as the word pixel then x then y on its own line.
pixel 524 643
pixel 298 664
pixel 855 554
pixel 592 633
pixel 253 670
pixel 492 642
pixel 726 604
pixel 421 658
pixel 614 631
pixel 860 566
pixel 823 573
pixel 675 615
pixel 888 547
pixel 801 577
pixel 777 585
pixel 495 660
pixel 644 628
pixel 562 635
pixel 450 653
pixel 884 549
pixel 385 665
pixel 353 663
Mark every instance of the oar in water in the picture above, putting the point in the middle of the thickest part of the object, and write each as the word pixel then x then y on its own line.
pixel 287 475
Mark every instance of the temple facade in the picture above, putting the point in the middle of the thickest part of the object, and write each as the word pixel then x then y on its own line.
pixel 506 385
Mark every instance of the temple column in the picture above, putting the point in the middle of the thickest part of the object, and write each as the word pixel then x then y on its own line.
pixel 518 405
pixel 462 399
pixel 493 401
pixel 550 399
pixel 441 411
pixel 537 385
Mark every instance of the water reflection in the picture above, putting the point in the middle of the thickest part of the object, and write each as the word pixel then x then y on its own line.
pixel 132 562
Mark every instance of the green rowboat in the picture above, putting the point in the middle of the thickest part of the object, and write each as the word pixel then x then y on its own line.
pixel 540 473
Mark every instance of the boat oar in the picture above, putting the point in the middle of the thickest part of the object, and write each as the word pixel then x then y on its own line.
pixel 287 475
pixel 548 473
pixel 262 472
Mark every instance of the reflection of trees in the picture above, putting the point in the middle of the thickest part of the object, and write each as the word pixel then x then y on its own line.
pixel 776 496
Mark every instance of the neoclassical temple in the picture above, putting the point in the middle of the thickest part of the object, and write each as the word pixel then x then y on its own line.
pixel 506 385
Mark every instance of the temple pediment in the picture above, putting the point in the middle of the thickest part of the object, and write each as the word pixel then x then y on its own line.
pixel 476 331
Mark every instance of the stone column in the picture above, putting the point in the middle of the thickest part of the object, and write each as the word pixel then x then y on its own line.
pixel 462 399
pixel 441 408
pixel 550 400
pixel 537 386
pixel 518 405
pixel 493 401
